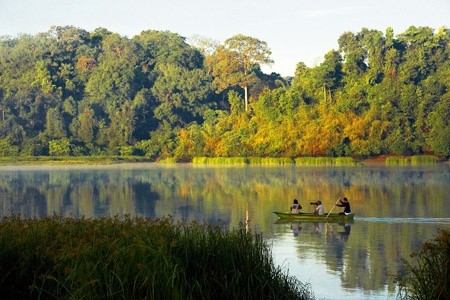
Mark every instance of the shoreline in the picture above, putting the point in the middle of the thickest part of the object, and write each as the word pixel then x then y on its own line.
pixel 104 161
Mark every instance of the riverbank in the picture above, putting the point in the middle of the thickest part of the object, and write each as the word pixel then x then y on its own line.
pixel 301 161
pixel 71 160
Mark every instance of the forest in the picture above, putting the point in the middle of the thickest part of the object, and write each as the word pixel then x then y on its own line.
pixel 70 92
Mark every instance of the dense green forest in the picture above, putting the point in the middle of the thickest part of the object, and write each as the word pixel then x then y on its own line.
pixel 70 92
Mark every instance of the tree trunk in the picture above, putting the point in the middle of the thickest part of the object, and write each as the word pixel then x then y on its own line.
pixel 246 98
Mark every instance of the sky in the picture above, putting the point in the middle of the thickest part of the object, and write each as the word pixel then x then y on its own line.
pixel 295 30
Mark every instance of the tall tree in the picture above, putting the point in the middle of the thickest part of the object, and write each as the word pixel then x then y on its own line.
pixel 233 63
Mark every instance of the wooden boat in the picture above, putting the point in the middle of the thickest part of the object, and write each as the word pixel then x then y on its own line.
pixel 310 217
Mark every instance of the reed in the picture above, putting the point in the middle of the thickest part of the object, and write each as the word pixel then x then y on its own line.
pixel 413 160
pixel 423 159
pixel 169 160
pixel 325 161
pixel 268 161
pixel 344 161
pixel 427 274
pixel 397 160
pixel 137 258
pixel 220 160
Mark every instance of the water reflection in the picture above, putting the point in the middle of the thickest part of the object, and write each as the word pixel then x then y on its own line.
pixel 397 209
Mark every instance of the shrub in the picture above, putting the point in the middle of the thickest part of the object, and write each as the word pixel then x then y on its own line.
pixel 427 275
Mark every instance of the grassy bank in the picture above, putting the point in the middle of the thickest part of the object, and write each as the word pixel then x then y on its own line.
pixel 411 160
pixel 136 258
pixel 264 161
pixel 317 161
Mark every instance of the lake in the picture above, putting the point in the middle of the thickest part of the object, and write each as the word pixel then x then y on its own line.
pixel 397 209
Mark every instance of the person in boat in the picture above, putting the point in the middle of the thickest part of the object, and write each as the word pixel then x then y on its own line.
pixel 296 207
pixel 346 205
pixel 318 210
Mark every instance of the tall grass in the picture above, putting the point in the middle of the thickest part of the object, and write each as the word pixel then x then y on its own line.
pixel 413 160
pixel 276 160
pixel 423 159
pixel 270 161
pixel 99 159
pixel 321 161
pixel 220 160
pixel 427 274
pixel 397 160
pixel 136 258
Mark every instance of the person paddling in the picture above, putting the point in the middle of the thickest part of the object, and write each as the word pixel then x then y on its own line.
pixel 346 205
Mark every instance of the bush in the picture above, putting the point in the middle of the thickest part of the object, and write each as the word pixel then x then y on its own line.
pixel 60 147
pixel 7 148
pixel 427 275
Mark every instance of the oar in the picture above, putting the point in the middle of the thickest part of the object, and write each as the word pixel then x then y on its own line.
pixel 333 207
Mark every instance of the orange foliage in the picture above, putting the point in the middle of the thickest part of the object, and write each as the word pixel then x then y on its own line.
pixel 85 63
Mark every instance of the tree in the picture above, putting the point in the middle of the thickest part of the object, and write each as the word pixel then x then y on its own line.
pixel 181 94
pixel 233 63
pixel 328 76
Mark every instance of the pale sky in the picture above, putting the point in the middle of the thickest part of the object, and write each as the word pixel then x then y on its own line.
pixel 295 30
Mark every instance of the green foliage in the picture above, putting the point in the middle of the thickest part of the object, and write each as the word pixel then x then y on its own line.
pixel 270 161
pixel 379 94
pixel 423 159
pixel 349 161
pixel 413 160
pixel 427 273
pixel 136 258
pixel 275 160
pixel 220 160
pixel 7 148
pixel 233 64
pixel 59 147
pixel 397 160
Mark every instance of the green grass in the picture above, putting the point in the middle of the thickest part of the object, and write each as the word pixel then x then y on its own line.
pixel 397 160
pixel 275 160
pixel 270 161
pixel 220 160
pixel 413 160
pixel 325 161
pixel 427 274
pixel 423 159
pixel 70 159
pixel 137 258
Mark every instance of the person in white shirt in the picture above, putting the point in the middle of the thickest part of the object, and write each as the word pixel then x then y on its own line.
pixel 319 208
pixel 296 207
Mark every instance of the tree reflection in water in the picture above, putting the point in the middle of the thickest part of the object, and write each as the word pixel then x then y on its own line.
pixel 364 261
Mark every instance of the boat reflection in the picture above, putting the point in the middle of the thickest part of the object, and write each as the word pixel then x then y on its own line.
pixel 296 227
pixel 336 231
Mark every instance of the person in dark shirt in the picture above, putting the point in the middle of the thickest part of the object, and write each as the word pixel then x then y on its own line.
pixel 346 205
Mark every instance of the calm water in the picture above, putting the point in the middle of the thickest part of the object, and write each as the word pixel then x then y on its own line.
pixel 397 209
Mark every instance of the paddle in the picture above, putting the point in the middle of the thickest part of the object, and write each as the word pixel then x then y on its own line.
pixel 333 207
